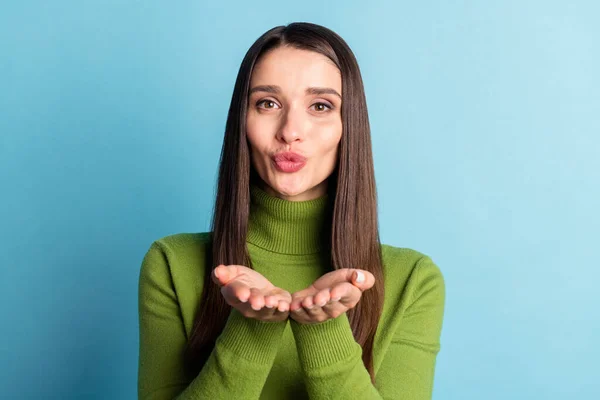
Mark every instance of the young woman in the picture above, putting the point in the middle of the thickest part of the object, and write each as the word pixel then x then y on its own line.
pixel 291 295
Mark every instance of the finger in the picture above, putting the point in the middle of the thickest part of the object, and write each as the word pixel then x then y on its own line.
pixel 256 299
pixel 267 313
pixel 316 314
pixel 314 311
pixel 220 275
pixel 236 292
pixel 322 297
pixel 274 296
pixel 271 301
pixel 346 293
pixel 296 302
pixel 344 297
pixel 283 295
pixel 308 302
pixel 283 306
pixel 225 273
pixel 362 279
pixel 334 309
pixel 300 315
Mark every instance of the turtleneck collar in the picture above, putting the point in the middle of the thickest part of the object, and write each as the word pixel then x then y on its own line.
pixel 286 227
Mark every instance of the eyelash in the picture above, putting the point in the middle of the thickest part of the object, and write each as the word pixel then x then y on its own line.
pixel 271 101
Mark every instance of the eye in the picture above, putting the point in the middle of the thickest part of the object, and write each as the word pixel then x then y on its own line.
pixel 321 107
pixel 269 104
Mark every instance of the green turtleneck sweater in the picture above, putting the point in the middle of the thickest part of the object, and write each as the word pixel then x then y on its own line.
pixel 286 360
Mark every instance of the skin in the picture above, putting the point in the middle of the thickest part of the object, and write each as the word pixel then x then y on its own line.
pixel 292 120
pixel 284 114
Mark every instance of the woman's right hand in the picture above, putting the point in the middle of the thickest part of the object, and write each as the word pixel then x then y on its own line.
pixel 251 293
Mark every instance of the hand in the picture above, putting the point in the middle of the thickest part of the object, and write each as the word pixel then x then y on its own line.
pixel 251 293
pixel 330 296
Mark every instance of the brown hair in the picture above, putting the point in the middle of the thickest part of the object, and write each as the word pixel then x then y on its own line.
pixel 354 236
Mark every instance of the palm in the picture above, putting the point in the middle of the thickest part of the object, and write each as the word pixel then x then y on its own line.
pixel 251 293
pixel 251 278
pixel 331 295
pixel 329 280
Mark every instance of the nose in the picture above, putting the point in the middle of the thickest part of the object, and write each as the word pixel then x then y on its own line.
pixel 292 127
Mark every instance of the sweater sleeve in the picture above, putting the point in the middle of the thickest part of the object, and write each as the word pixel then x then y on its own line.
pixel 237 367
pixel 332 360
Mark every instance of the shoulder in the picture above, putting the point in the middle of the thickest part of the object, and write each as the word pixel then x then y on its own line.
pixel 409 272
pixel 402 261
pixel 414 302
pixel 183 242
pixel 172 273
pixel 176 256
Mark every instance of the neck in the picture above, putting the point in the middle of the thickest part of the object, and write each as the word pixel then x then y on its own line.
pixel 287 227
pixel 318 191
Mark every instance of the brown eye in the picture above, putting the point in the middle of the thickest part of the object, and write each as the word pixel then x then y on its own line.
pixel 268 103
pixel 321 107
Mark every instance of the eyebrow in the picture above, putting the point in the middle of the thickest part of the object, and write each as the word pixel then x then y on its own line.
pixel 311 90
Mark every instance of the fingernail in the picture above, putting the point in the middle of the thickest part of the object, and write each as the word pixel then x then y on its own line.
pixel 360 277
pixel 321 304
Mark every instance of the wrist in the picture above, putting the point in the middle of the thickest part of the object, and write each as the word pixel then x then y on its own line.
pixel 252 339
pixel 325 343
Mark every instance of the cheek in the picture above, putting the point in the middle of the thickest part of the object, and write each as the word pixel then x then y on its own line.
pixel 260 132
pixel 331 141
pixel 255 136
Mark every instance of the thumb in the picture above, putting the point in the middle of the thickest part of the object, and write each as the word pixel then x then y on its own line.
pixel 362 279
pixel 221 275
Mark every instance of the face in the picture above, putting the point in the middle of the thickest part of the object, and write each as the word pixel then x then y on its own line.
pixel 294 122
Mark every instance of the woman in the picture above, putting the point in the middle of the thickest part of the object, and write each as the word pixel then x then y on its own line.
pixel 291 295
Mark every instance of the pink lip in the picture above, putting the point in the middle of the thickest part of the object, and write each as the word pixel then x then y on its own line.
pixel 288 161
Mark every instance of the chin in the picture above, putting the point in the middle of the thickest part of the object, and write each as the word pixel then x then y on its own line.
pixel 288 187
pixel 289 190
pixel 298 191
pixel 294 187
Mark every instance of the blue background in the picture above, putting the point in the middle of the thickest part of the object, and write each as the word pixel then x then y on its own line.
pixel 485 122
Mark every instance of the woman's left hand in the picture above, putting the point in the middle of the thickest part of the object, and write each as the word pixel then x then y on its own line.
pixel 330 296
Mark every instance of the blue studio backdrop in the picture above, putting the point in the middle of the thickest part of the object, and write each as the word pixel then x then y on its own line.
pixel 486 134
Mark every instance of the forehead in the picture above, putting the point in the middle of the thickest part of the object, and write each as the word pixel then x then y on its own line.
pixel 293 68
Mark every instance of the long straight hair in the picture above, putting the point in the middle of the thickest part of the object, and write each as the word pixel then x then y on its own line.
pixel 354 236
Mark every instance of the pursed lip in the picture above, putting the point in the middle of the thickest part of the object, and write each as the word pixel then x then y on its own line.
pixel 289 156
pixel 288 161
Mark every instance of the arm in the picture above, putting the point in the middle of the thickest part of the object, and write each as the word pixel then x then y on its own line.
pixel 332 362
pixel 237 367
